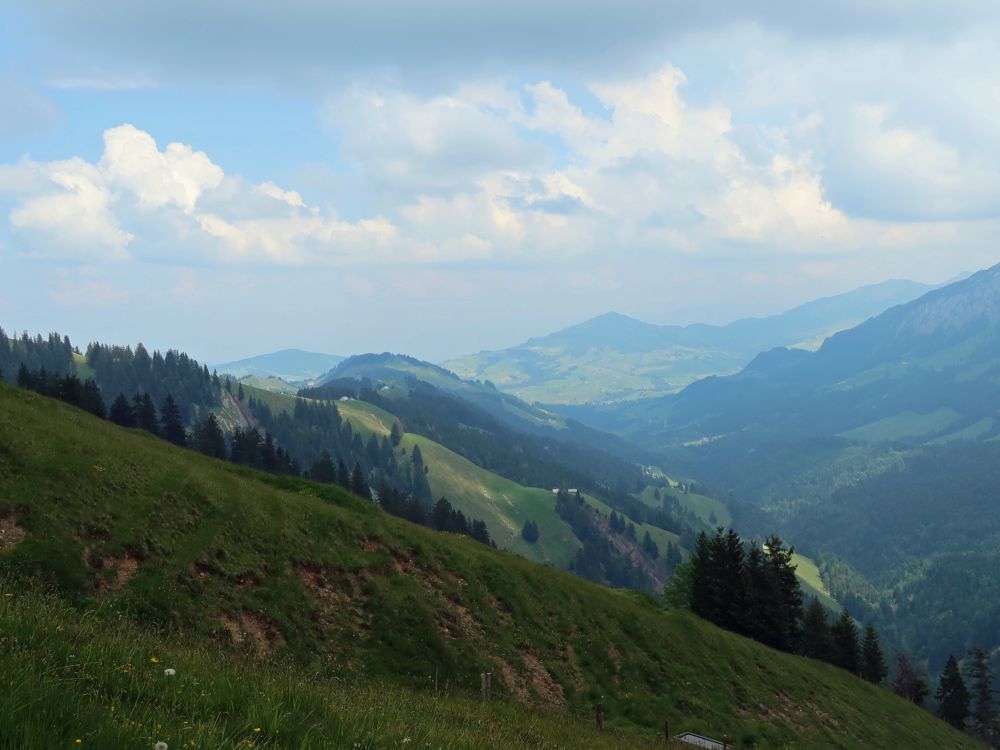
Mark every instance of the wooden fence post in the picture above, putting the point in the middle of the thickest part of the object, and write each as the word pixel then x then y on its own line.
pixel 599 716
pixel 725 742
pixel 482 686
pixel 489 685
pixel 666 730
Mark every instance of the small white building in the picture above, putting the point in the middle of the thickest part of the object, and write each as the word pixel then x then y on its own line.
pixel 698 741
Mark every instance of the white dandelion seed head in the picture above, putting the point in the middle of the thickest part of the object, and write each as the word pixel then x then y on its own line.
pixel 169 671
pixel 160 746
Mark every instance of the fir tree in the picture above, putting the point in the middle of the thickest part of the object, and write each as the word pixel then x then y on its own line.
pixel 343 476
pixel 909 683
pixel 529 532
pixel 816 631
pixel 873 666
pixel 170 422
pixel 981 676
pixel 323 470
pixel 121 412
pixel 952 695
pixel 844 643
pixel 208 438
pixel 396 435
pixel 145 413
pixel 359 486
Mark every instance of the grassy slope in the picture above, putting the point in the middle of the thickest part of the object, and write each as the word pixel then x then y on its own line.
pixel 333 583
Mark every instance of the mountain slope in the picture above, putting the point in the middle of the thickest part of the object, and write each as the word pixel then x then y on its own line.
pixel 614 357
pixel 284 566
pixel 287 364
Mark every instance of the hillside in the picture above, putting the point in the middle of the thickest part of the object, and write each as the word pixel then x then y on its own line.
pixel 614 357
pixel 303 572
pixel 877 452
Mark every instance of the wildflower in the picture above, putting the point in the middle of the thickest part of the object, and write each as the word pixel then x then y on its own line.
pixel 154 660
pixel 160 746
pixel 257 729
pixel 169 671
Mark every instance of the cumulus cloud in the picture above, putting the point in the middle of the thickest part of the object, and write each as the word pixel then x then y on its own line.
pixel 173 204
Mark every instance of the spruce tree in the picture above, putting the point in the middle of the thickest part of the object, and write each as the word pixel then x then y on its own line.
pixel 873 666
pixel 322 469
pixel 529 532
pixel 952 695
pixel 396 434
pixel 816 631
pixel 171 425
pixel 981 676
pixel 844 643
pixel 359 485
pixel 121 412
pixel 145 413
pixel 343 476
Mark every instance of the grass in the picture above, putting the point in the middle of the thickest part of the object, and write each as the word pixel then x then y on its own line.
pixel 503 504
pixel 94 679
pixel 201 559
pixel 904 425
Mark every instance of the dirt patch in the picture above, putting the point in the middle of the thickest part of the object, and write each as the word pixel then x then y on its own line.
pixel 547 689
pixel 458 620
pixel 535 685
pixel 10 533
pixel 336 595
pixel 121 567
pixel 254 630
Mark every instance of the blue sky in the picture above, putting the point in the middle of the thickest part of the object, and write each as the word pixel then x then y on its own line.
pixel 232 178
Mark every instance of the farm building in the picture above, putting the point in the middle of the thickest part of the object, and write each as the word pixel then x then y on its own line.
pixel 698 741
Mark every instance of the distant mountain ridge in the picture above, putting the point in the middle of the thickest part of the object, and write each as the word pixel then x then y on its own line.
pixel 287 364
pixel 614 357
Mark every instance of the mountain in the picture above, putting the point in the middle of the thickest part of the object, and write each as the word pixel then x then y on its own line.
pixel 877 454
pixel 614 357
pixel 923 371
pixel 291 365
pixel 320 605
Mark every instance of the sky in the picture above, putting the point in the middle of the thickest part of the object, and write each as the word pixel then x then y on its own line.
pixel 437 178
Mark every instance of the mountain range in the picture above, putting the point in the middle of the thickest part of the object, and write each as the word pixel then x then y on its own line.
pixel 291 365
pixel 614 357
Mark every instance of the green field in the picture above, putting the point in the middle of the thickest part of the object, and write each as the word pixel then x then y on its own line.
pixel 503 504
pixel 908 424
pixel 342 605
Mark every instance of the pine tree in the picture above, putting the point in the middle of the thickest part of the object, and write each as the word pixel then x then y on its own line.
pixel 649 546
pixel 844 643
pixel 170 422
pixel 239 393
pixel 529 532
pixel 980 673
pixel 909 683
pixel 952 695
pixel 121 412
pixel 343 476
pixel 208 438
pixel 396 435
pixel 145 413
pixel 873 666
pixel 323 470
pixel 816 631
pixel 359 486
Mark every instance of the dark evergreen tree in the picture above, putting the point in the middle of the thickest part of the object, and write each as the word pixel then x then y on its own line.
pixel 208 437
pixel 981 676
pixel 816 631
pixel 952 695
pixel 343 476
pixel 323 470
pixel 529 532
pixel 396 435
pixel 239 393
pixel 649 546
pixel 91 399
pixel 121 412
pixel 873 666
pixel 171 426
pixel 844 643
pixel 145 413
pixel 359 485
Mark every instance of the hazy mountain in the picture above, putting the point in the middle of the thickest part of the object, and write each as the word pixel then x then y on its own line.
pixel 287 364
pixel 926 370
pixel 614 357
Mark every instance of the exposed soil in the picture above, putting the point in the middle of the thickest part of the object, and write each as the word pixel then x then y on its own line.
pixel 10 533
